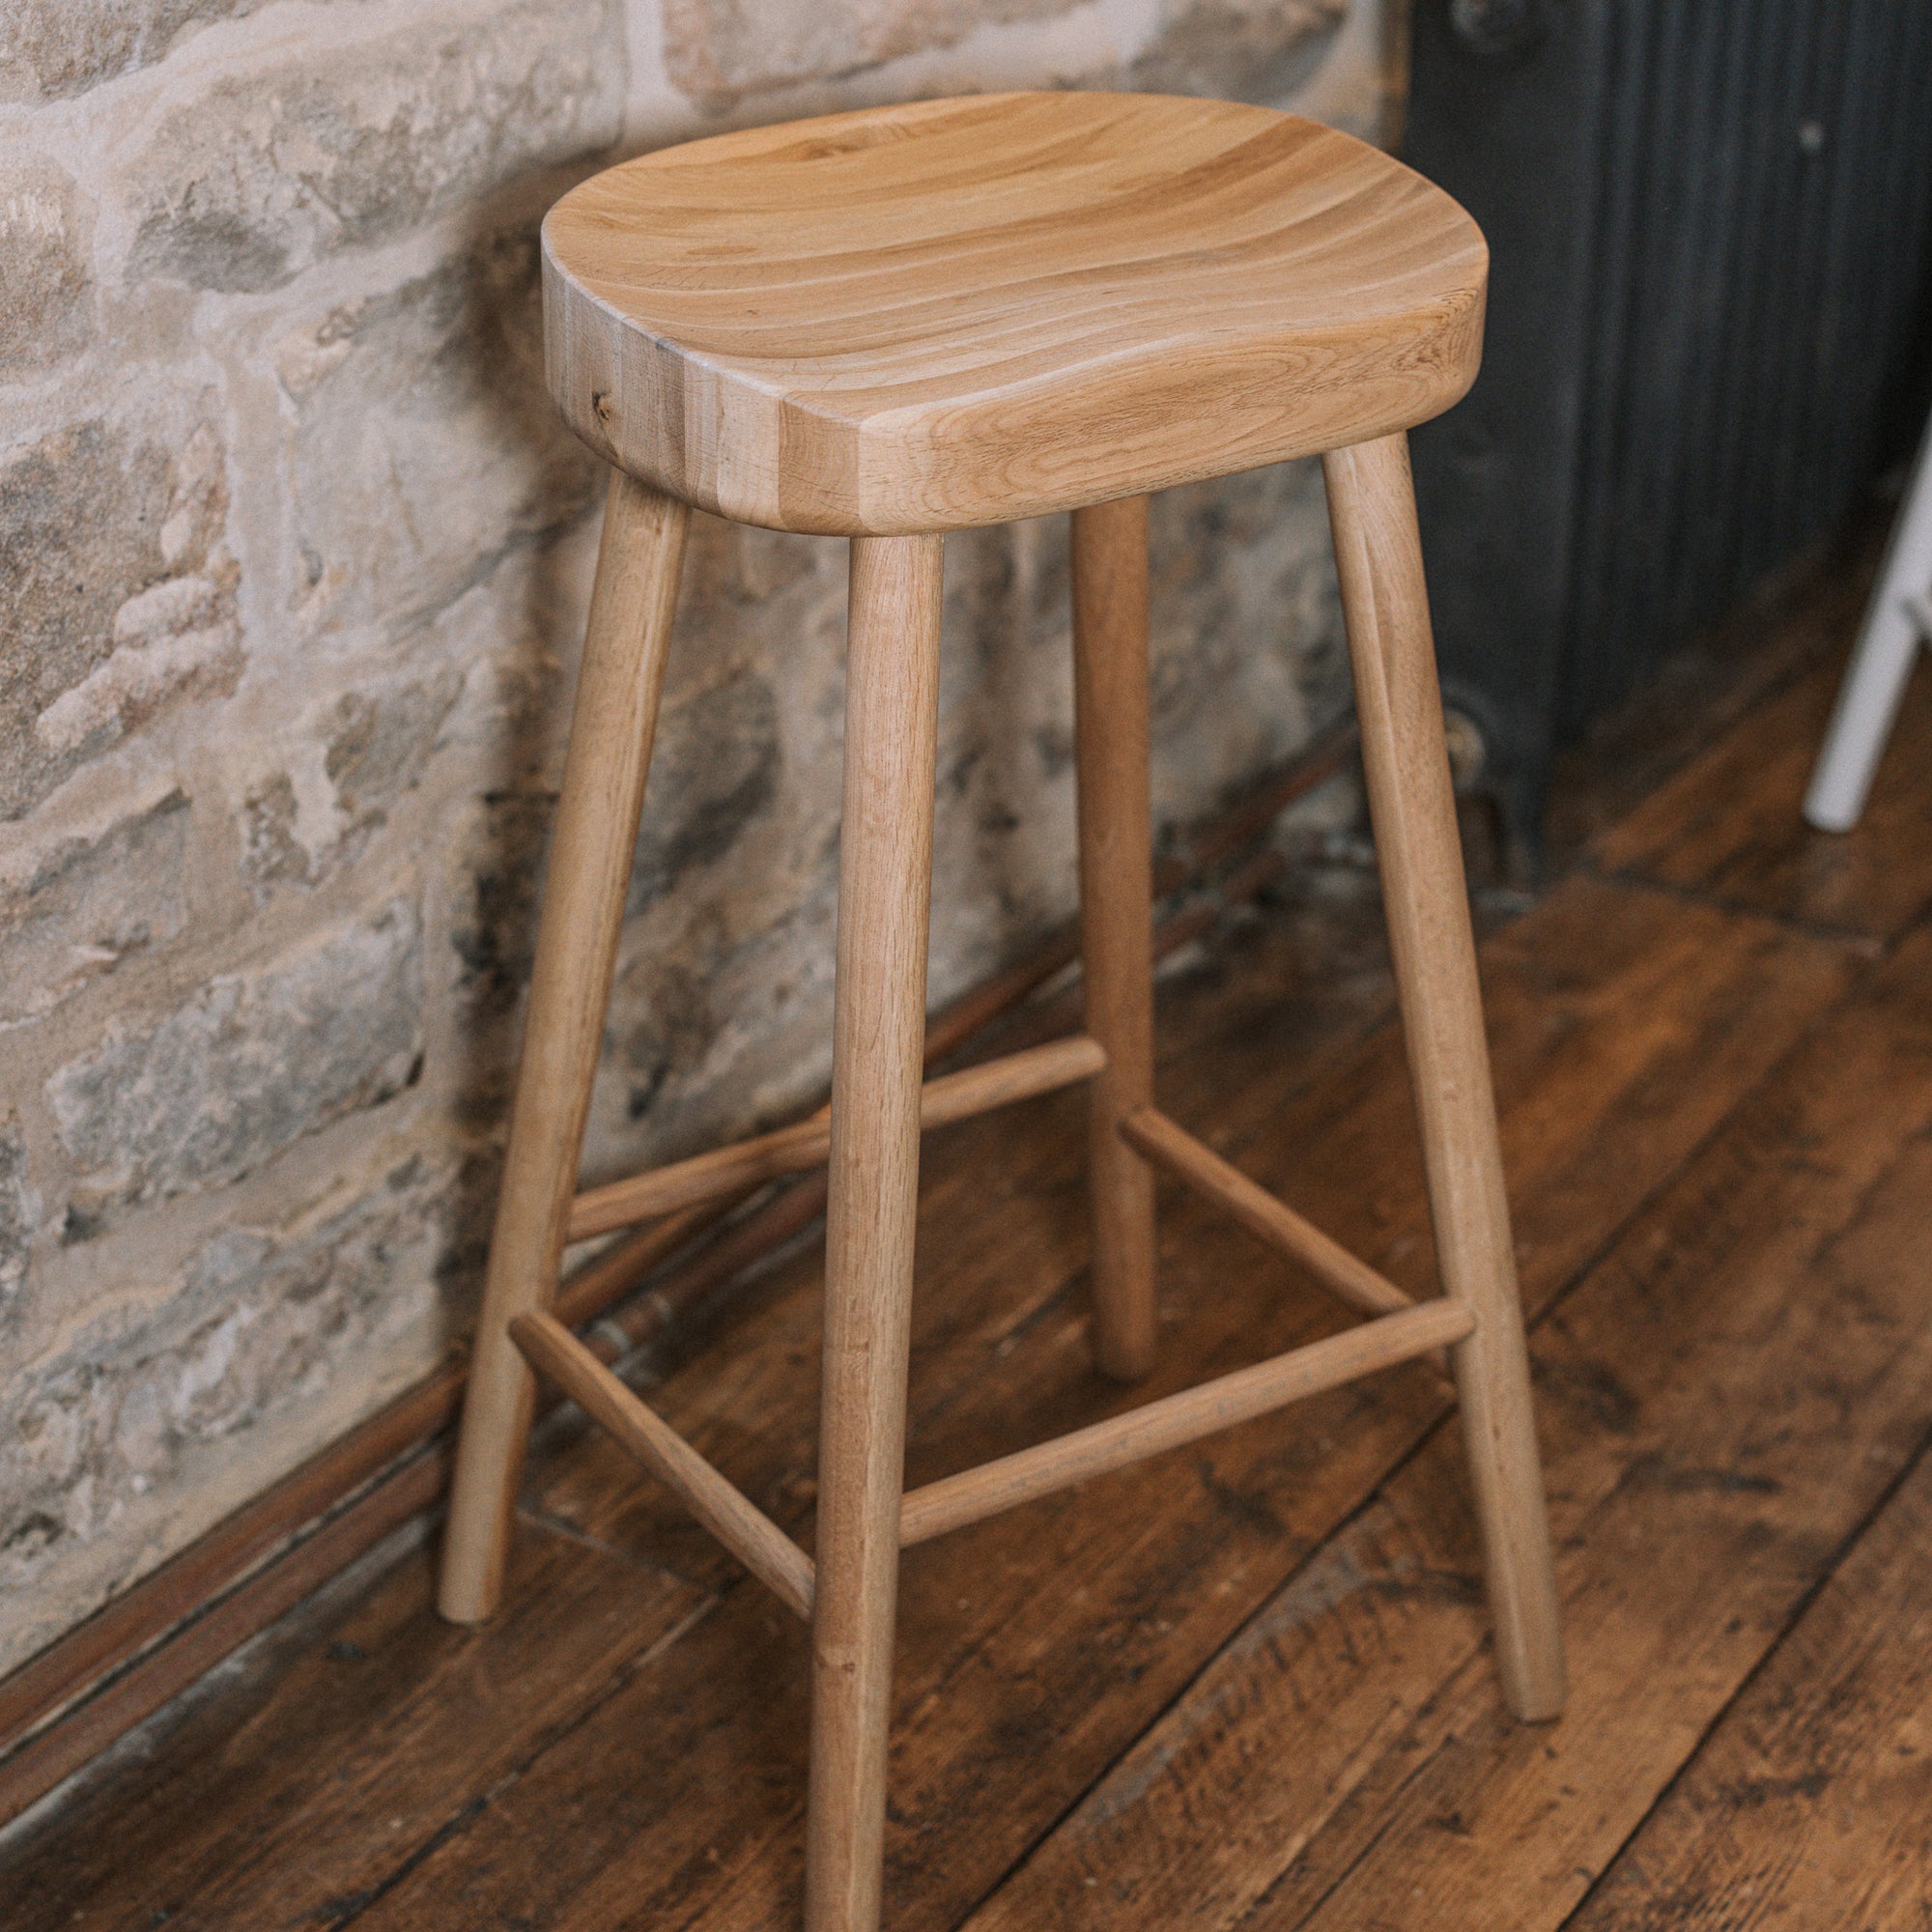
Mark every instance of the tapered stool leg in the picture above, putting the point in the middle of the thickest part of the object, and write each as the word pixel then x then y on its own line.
pixel 885 873
pixel 1110 710
pixel 1896 625
pixel 1371 508
pixel 591 854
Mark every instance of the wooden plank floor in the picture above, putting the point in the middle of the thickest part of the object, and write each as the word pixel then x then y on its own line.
pixel 1249 1684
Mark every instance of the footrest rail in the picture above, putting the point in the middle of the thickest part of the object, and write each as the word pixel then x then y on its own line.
pixel 732 1170
pixel 1177 1419
pixel 720 1506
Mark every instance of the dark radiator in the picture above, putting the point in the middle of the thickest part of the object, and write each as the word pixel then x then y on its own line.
pixel 1711 233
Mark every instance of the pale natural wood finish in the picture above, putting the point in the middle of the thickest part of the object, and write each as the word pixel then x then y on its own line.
pixel 737 1169
pixel 1378 555
pixel 591 853
pixel 1109 711
pixel 1177 1419
pixel 1257 1211
pixel 901 322
pixel 885 876
pixel 967 311
pixel 724 1510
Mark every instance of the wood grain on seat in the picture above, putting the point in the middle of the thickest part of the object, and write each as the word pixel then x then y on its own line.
pixel 960 312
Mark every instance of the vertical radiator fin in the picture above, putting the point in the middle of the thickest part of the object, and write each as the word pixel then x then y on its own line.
pixel 1711 229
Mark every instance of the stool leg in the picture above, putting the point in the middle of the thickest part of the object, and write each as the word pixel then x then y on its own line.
pixel 1882 664
pixel 591 853
pixel 885 875
pixel 1371 509
pixel 1110 710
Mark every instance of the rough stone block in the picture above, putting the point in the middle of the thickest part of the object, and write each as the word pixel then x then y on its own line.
pixel 492 856
pixel 47 291
pixel 714 768
pixel 376 741
pixel 674 1021
pixel 1247 649
pixel 177 637
pixel 493 920
pixel 382 740
pixel 347 145
pixel 90 902
pixel 419 565
pixel 260 1325
pixel 720 51
pixel 1260 50
pixel 425 445
pixel 246 1068
pixel 55 47
pixel 17 1220
pixel 118 603
pixel 271 854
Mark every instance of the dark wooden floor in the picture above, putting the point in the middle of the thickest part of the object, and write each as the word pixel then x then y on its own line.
pixel 1250 1684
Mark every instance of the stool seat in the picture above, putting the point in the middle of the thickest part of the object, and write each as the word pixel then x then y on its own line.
pixel 923 317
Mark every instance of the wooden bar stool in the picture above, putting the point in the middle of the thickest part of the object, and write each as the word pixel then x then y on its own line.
pixel 888 325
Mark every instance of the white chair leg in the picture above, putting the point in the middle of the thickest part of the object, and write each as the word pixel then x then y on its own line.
pixel 1888 646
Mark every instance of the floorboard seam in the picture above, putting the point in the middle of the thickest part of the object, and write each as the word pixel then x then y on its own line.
pixel 1370 1844
pixel 346 1911
pixel 1572 1281
pixel 459 1820
pixel 566 1531
pixel 463 1815
pixel 1799 1608
pixel 1053 1302
pixel 1848 936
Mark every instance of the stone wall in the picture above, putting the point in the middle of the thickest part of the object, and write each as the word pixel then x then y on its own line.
pixel 295 563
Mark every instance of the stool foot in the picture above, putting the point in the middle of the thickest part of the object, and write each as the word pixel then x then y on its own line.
pixel 1110 707
pixel 1371 508
pixel 591 852
pixel 885 878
